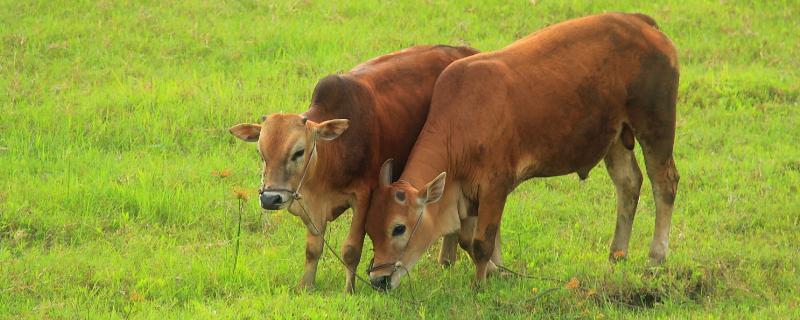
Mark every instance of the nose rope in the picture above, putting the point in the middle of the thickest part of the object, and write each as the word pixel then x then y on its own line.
pixel 296 196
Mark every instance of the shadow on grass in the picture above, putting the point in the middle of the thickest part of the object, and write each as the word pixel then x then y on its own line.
pixel 650 287
pixel 632 288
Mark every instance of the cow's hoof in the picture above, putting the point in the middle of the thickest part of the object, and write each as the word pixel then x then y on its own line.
pixel 617 256
pixel 446 263
pixel 492 271
pixel 657 259
pixel 478 283
pixel 477 286
pixel 500 273
pixel 303 287
pixel 656 262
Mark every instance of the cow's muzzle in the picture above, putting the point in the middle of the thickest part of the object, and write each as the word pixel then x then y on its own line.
pixel 274 200
pixel 382 281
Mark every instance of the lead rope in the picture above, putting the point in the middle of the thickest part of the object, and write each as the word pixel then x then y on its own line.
pixel 521 275
pixel 297 197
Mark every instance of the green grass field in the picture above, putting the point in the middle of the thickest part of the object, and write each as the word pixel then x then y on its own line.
pixel 113 132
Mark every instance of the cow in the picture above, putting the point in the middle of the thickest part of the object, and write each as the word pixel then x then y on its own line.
pixel 335 148
pixel 553 103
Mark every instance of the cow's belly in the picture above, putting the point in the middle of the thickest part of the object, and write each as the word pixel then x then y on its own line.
pixel 567 146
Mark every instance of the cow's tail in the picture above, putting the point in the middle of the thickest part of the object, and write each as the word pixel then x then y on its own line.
pixel 647 19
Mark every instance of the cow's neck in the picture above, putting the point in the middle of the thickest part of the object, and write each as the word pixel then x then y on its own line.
pixel 429 157
pixel 341 160
pixel 322 192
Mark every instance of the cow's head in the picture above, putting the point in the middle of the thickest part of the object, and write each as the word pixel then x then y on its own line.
pixel 400 226
pixel 285 142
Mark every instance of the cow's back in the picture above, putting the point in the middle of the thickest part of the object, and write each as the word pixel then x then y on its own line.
pixel 387 101
pixel 401 85
pixel 554 92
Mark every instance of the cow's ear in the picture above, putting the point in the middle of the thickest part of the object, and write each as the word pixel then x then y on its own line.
pixel 385 177
pixel 331 129
pixel 246 131
pixel 433 191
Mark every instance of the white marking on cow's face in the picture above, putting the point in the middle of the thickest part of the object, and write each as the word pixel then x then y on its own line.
pixel 400 197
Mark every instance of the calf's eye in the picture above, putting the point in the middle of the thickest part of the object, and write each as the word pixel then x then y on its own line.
pixel 297 154
pixel 398 230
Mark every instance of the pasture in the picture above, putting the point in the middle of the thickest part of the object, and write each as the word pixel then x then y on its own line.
pixel 121 188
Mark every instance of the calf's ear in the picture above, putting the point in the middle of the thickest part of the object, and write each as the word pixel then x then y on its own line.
pixel 331 129
pixel 246 131
pixel 433 191
pixel 385 176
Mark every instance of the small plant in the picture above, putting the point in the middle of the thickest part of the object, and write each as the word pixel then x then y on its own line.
pixel 242 197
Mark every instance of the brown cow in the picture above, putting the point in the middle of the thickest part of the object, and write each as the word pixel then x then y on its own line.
pixel 376 111
pixel 553 103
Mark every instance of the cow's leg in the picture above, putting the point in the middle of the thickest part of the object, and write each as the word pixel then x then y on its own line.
pixel 351 249
pixel 314 247
pixel 466 233
pixel 447 254
pixel 497 256
pixel 465 240
pixel 627 178
pixel 651 111
pixel 654 125
pixel 664 178
pixel 490 210
pixel 656 139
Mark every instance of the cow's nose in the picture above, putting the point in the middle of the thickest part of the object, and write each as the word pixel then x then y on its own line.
pixel 271 200
pixel 381 282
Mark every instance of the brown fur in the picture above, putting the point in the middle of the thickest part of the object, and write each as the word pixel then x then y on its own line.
pixel 550 104
pixel 386 101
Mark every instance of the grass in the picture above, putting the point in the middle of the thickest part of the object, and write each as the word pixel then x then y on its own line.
pixel 113 140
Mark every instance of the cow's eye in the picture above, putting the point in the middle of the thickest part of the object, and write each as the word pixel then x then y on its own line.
pixel 398 230
pixel 297 154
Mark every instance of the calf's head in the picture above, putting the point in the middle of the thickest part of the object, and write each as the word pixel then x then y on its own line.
pixel 285 144
pixel 400 226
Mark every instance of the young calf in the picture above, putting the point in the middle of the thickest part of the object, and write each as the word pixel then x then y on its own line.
pixel 553 103
pixel 373 112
